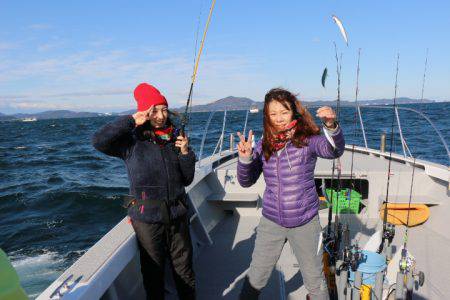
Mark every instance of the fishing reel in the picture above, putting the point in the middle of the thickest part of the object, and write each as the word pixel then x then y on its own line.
pixel 407 264
pixel 351 256
pixel 407 277
pixel 389 233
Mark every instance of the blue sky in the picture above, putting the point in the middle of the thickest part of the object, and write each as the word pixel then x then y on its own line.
pixel 89 55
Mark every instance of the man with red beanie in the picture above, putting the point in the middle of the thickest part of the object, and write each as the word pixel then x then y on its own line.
pixel 159 164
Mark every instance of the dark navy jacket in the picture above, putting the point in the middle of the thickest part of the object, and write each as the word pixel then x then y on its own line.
pixel 159 171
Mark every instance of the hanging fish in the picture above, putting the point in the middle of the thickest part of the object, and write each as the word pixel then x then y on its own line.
pixel 341 28
pixel 324 76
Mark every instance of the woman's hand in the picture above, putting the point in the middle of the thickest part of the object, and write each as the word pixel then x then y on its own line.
pixel 245 149
pixel 141 117
pixel 328 116
pixel 182 142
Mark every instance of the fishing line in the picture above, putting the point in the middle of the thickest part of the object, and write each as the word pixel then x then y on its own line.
pixel 386 201
pixel 409 204
pixel 352 181
pixel 194 73
pixel 424 76
pixel 195 55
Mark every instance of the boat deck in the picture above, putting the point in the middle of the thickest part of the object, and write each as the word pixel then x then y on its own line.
pixel 221 267
pixel 227 215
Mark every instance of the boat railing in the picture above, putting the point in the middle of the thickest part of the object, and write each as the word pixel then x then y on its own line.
pixel 405 148
pixel 218 149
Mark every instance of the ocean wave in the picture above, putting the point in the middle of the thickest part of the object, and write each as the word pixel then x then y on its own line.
pixel 36 270
pixel 41 260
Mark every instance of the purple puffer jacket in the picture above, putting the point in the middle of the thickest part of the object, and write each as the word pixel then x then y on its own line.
pixel 290 198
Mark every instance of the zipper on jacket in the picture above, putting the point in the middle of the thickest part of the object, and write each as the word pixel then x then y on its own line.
pixel 279 188
pixel 165 205
pixel 167 173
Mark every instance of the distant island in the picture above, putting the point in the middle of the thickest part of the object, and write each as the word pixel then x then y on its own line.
pixel 228 103
pixel 240 103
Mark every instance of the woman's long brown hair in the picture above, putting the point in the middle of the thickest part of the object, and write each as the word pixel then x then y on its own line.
pixel 305 125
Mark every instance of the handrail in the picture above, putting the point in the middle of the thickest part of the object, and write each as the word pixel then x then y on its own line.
pixel 204 135
pixel 219 141
pixel 362 125
pixel 403 140
pixel 422 115
pixel 222 136
pixel 245 124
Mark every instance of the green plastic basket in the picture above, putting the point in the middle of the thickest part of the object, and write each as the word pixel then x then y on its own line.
pixel 345 202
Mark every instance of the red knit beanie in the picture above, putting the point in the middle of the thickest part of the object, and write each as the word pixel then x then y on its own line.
pixel 147 95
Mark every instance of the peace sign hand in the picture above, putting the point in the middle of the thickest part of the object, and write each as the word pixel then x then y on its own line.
pixel 141 117
pixel 245 146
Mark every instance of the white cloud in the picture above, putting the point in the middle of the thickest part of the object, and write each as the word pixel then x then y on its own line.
pixel 96 78
pixel 50 46
pixel 40 26
pixel 7 46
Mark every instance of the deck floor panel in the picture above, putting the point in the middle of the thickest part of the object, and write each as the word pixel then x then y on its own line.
pixel 220 268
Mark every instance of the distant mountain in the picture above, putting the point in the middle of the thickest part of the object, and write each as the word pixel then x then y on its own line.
pixel 128 112
pixel 241 103
pixel 51 114
pixel 4 117
pixel 400 100
pixel 228 103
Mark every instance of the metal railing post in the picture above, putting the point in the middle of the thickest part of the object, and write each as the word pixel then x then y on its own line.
pixel 231 142
pixel 245 124
pixel 423 116
pixel 222 137
pixel 402 140
pixel 362 125
pixel 204 136
pixel 383 142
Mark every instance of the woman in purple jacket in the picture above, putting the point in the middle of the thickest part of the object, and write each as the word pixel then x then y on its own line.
pixel 287 156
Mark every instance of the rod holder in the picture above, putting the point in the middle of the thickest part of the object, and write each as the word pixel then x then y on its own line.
pixel 383 142
pixel 231 142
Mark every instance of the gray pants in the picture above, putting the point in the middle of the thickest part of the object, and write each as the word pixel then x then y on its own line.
pixel 270 239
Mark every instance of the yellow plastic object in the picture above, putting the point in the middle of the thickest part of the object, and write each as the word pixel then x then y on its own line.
pixel 397 213
pixel 10 288
pixel 365 291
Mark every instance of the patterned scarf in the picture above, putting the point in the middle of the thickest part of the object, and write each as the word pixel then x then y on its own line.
pixel 164 135
pixel 279 139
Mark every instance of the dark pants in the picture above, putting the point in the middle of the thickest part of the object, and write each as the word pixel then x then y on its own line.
pixel 160 241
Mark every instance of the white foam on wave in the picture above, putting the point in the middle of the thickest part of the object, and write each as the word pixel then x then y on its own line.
pixel 20 147
pixel 38 271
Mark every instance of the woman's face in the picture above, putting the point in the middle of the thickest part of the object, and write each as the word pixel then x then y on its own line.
pixel 279 115
pixel 159 116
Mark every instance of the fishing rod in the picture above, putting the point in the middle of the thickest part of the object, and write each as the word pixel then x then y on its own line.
pixel 388 229
pixel 407 264
pixel 424 76
pixel 185 118
pixel 332 239
pixel 349 258
pixel 351 253
pixel 406 273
